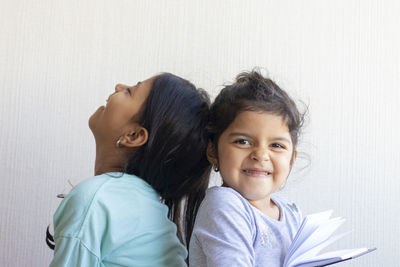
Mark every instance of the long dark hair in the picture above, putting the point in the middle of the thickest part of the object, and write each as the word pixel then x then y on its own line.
pixel 173 161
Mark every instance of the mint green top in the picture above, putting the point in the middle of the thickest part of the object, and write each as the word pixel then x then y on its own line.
pixel 115 219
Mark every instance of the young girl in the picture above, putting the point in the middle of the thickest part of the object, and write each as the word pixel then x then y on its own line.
pixel 254 129
pixel 150 155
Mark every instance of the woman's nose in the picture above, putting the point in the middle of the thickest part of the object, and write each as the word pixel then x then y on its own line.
pixel 260 155
pixel 120 86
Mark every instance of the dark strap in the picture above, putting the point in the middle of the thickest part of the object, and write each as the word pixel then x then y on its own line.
pixel 49 239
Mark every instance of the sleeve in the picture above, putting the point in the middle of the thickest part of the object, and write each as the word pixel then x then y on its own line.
pixel 224 230
pixel 70 251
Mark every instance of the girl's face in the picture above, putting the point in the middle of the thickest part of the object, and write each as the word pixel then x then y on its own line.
pixel 255 154
pixel 110 122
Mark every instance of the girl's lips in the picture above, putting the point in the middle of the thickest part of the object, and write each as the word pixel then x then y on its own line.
pixel 256 172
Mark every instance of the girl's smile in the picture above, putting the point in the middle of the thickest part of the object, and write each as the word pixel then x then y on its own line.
pixel 257 173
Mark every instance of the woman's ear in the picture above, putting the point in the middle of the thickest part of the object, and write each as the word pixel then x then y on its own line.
pixel 137 137
pixel 212 154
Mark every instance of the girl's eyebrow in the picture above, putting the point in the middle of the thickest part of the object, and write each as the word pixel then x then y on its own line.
pixel 240 134
pixel 278 138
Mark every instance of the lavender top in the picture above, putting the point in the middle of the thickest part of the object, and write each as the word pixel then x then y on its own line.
pixel 229 231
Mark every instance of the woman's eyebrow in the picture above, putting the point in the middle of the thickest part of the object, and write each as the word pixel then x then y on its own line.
pixel 137 85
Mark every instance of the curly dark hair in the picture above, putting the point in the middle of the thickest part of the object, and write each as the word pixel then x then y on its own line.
pixel 253 92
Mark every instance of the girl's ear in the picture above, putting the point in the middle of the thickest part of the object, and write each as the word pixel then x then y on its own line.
pixel 294 157
pixel 137 137
pixel 212 154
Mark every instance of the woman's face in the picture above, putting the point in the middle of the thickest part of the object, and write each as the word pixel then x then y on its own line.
pixel 123 108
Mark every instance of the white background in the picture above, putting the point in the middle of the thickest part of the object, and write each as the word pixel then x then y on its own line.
pixel 59 60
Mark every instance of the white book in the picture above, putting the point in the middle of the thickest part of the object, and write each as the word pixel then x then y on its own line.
pixel 314 234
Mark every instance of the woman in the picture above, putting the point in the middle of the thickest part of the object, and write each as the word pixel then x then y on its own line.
pixel 150 155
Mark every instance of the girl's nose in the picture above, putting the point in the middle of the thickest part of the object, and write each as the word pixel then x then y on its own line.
pixel 260 155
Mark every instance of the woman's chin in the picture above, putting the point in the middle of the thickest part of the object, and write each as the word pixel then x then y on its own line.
pixel 93 117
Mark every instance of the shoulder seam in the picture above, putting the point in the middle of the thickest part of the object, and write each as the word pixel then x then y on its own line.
pixel 89 206
pixel 83 244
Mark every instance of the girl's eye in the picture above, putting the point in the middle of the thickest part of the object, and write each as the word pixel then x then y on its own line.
pixel 276 145
pixel 242 142
pixel 128 89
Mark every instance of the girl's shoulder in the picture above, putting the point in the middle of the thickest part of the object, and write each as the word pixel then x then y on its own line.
pixel 223 208
pixel 221 199
pixel 223 195
pixel 288 207
pixel 282 200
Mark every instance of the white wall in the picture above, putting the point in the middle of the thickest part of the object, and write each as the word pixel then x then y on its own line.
pixel 59 60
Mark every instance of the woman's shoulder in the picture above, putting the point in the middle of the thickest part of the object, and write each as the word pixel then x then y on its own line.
pixel 109 186
pixel 99 193
pixel 78 201
pixel 88 187
pixel 84 191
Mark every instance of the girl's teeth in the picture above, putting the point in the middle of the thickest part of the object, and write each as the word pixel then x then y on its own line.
pixel 257 172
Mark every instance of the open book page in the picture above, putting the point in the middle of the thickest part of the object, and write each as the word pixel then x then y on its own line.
pixel 309 225
pixel 314 234
pixel 318 238
pixel 333 257
pixel 313 252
